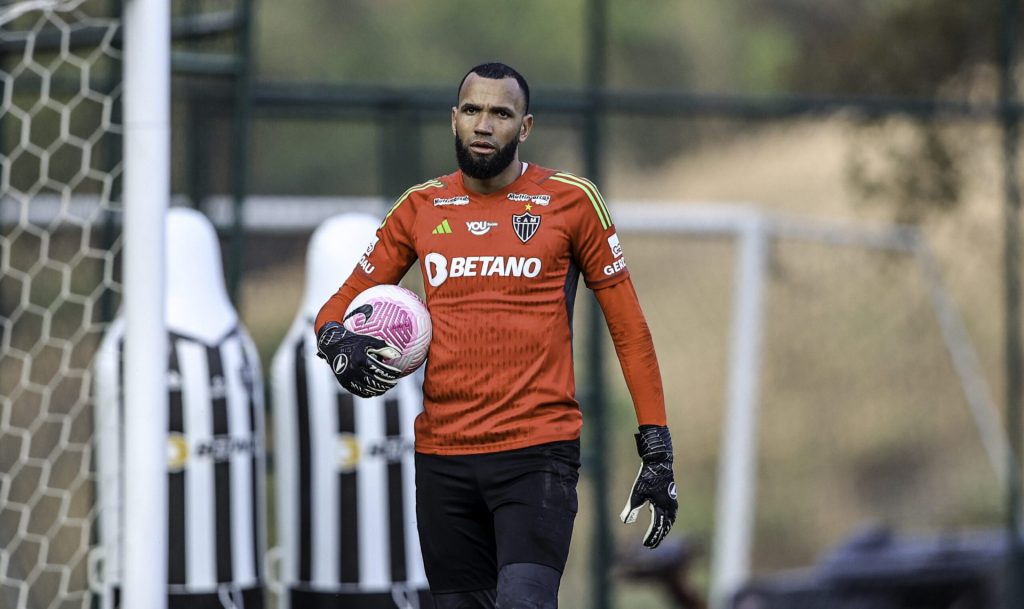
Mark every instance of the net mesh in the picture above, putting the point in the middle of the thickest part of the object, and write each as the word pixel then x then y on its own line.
pixel 60 170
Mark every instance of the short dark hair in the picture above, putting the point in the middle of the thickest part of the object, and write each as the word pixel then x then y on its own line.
pixel 498 71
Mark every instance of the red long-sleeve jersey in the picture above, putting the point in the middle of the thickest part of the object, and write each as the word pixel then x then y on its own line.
pixel 500 272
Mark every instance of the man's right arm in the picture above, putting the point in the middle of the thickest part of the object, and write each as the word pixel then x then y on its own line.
pixel 386 260
pixel 357 360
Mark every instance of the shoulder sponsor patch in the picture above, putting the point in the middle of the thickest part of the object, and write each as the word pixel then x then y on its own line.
pixel 460 200
pixel 521 197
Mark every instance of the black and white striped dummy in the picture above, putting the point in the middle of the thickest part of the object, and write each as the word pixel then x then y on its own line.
pixel 345 487
pixel 215 469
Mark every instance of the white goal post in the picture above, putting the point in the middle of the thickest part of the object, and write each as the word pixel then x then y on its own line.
pixel 60 142
pixel 147 189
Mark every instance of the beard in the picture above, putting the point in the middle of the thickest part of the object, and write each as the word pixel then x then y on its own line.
pixel 487 167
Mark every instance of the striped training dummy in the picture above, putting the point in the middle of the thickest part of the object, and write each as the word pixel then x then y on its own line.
pixel 344 478
pixel 215 454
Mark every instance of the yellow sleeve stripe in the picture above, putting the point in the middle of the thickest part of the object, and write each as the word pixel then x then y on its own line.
pixel 405 195
pixel 592 193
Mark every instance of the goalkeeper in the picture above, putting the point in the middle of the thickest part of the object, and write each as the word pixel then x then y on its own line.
pixel 501 245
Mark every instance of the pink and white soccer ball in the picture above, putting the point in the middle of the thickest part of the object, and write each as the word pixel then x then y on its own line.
pixel 396 316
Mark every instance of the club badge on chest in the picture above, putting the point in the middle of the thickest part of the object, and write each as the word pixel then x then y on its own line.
pixel 526 224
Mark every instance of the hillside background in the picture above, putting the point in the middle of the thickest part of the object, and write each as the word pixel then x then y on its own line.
pixel 864 420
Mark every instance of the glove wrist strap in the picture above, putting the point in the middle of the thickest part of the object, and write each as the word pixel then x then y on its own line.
pixel 654 443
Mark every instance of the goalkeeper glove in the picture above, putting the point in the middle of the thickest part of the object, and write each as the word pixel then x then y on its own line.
pixel 654 483
pixel 356 360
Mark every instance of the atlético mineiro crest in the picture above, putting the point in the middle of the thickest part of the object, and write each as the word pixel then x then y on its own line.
pixel 525 225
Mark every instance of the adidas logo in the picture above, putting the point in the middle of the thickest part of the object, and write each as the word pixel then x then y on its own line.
pixel 442 229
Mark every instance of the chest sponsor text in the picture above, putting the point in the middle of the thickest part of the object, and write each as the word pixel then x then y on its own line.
pixel 439 268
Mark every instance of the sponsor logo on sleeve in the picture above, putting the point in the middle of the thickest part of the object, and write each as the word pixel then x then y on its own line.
pixel 480 227
pixel 460 200
pixel 364 260
pixel 373 244
pixel 613 243
pixel 615 267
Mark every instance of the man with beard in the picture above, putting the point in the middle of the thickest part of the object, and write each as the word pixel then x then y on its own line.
pixel 501 245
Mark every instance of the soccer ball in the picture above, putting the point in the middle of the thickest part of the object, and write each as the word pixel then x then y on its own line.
pixel 396 316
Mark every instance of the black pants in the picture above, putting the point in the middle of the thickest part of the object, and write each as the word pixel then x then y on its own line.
pixel 478 513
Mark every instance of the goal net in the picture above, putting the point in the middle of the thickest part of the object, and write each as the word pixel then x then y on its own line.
pixel 60 169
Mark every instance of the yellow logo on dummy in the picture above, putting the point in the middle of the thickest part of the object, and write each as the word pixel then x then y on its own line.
pixel 177 452
pixel 349 452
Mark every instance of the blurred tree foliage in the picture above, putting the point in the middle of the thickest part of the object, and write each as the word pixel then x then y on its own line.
pixel 943 49
pixel 655 44
pixel 884 47
pixel 919 48
pixel 652 44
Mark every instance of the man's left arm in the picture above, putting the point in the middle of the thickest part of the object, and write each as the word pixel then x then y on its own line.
pixel 634 347
pixel 599 256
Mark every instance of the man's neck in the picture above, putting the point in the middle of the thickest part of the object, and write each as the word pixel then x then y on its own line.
pixel 485 187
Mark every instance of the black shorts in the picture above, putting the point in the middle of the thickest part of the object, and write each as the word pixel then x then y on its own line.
pixel 478 513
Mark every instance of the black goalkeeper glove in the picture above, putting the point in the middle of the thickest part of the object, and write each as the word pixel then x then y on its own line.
pixel 654 483
pixel 356 360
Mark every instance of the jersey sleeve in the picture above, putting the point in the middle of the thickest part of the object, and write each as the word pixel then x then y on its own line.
pixel 386 260
pixel 635 350
pixel 392 251
pixel 595 245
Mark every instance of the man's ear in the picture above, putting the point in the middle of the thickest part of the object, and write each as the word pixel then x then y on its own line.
pixel 525 127
pixel 454 112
